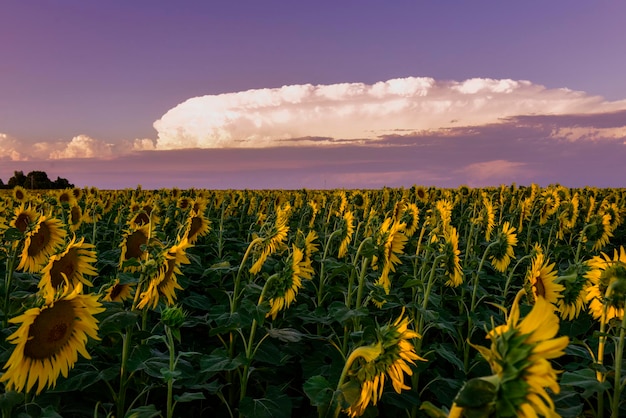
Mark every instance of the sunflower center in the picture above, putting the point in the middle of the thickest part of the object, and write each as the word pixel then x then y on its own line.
pixel 75 215
pixel 134 243
pixel 39 240
pixel 50 331
pixel 196 224
pixel 63 266
pixel 142 219
pixel 540 288
pixel 116 291
pixel 22 222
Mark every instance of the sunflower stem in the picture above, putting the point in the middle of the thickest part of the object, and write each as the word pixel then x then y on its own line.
pixel 473 306
pixel 510 277
pixel 7 283
pixel 121 396
pixel 619 354
pixel 250 351
pixel 172 366
pixel 600 361
pixel 320 290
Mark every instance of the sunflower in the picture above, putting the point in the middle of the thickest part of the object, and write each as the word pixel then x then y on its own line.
pixel 486 218
pixel 24 218
pixel 139 219
pixel 550 201
pixel 441 215
pixel 503 244
pixel 184 202
pixel 568 216
pixel 75 217
pixel 614 212
pixel 46 236
pixel 69 268
pixel 574 285
pixel 598 230
pixel 165 283
pixel 308 245
pixel 541 279
pixel 519 357
pixel 391 242
pixel 368 366
pixel 118 292
pixel 20 194
pixel 197 226
pixel 134 239
pixel 607 277
pixel 274 239
pixel 525 211
pixel 421 193
pixel 66 197
pixel 411 219
pixel 347 230
pixel 452 261
pixel 49 339
pixel 286 285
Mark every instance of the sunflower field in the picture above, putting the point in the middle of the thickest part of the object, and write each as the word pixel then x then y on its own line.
pixel 421 302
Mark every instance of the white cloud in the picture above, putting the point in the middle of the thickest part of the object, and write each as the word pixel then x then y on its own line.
pixel 265 117
pixel 82 146
pixel 9 148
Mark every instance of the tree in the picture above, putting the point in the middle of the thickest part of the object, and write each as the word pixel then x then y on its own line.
pixel 36 180
pixel 18 179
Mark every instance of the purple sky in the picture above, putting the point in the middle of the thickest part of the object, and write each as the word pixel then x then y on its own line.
pixel 489 92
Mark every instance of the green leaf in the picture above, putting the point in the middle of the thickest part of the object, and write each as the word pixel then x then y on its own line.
pixel 219 361
pixel 10 399
pixel 196 301
pixel 318 390
pixel 586 380
pixel 273 404
pixel 189 396
pixel 147 411
pixel 443 351
pixel 117 322
pixel 49 412
pixel 13 234
pixel 476 393
pixel 288 335
pixel 169 374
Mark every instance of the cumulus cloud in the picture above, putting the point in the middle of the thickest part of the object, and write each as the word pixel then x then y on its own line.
pixel 358 111
pixel 9 148
pixel 82 146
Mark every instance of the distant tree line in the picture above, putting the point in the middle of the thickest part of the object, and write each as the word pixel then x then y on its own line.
pixel 35 180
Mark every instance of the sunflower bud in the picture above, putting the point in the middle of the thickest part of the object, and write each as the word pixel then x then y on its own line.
pixel 173 317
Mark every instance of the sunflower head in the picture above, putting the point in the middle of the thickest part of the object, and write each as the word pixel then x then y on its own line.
pixel 598 231
pixel 452 262
pixel 541 280
pixel 118 292
pixel 575 284
pixel 519 357
pixel 24 218
pixel 502 252
pixel 285 286
pixel 20 194
pixel 390 357
pixel 607 291
pixel 197 226
pixel 49 339
pixel 41 241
